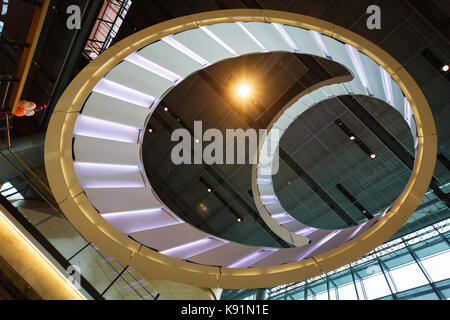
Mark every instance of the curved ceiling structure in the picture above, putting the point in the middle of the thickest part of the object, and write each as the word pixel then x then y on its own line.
pixel 94 163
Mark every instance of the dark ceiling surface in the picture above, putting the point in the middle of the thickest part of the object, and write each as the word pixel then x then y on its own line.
pixel 414 32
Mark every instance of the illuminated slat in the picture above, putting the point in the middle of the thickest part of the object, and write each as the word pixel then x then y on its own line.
pixel 235 37
pixel 252 258
pixel 153 67
pixel 169 237
pixel 304 41
pixel 316 245
pixel 122 199
pixel 94 175
pixel 88 126
pixel 95 150
pixel 170 58
pixel 286 37
pixel 260 45
pixel 133 76
pixel 373 75
pixel 190 249
pixel 218 40
pixel 356 60
pixel 135 221
pixel 223 255
pixel 180 47
pixel 387 86
pixel 110 109
pixel 268 36
pixel 124 93
pixel 318 38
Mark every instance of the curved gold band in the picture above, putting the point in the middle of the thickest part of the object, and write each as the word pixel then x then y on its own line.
pixel 78 209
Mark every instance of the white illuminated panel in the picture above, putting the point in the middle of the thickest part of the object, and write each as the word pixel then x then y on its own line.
pixel 135 221
pixel 93 175
pixel 185 50
pixel 132 76
pixel 107 200
pixel 95 150
pixel 110 109
pixel 89 126
pixel 235 37
pixel 169 237
pixel 304 41
pixel 121 92
pixel 153 67
pixel 170 58
pixel 269 36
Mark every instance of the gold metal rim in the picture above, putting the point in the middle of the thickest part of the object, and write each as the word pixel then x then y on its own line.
pixel 80 212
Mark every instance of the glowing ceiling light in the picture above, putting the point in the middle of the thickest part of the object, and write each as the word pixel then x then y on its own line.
pixel 445 68
pixel 352 138
pixel 244 90
pixel 373 156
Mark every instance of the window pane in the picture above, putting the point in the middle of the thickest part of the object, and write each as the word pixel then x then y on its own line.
pixel 438 266
pixel 376 287
pixel 347 292
pixel 322 296
pixel 408 276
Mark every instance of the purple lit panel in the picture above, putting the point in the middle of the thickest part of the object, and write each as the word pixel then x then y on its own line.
pixel 242 26
pixel 92 127
pixel 193 248
pixel 122 199
pixel 224 255
pixel 118 91
pixel 252 258
pixel 263 181
pixel 316 244
pixel 135 221
pixel 93 175
pixel 169 237
pixel 272 199
pixel 306 231
pixel 281 256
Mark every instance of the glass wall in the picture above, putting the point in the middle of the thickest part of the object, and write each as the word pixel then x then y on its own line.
pixel 415 266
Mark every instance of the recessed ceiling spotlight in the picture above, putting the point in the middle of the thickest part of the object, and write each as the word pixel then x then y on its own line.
pixel 239 219
pixel 166 109
pixel 445 68
pixel 197 141
pixel 373 156
pixel 209 189
pixel 352 137
pixel 150 130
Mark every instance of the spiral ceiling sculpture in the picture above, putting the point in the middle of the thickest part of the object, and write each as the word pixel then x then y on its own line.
pixel 94 163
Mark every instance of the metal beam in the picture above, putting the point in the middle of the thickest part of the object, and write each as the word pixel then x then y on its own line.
pixel 37 22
